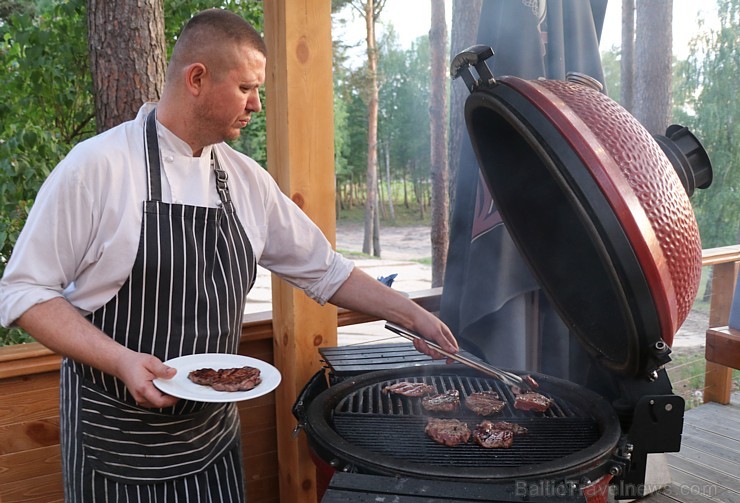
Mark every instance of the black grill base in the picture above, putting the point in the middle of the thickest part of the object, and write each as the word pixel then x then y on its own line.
pixel 361 488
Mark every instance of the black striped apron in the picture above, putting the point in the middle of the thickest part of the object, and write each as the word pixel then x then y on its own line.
pixel 185 294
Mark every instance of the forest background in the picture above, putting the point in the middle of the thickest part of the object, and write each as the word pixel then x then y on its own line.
pixel 48 104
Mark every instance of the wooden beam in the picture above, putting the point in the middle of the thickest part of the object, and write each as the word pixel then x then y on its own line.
pixel 718 378
pixel 723 346
pixel 300 156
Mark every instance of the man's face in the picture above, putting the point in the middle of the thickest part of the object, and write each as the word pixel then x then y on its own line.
pixel 231 96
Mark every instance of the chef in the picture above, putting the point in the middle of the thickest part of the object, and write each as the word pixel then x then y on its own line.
pixel 141 246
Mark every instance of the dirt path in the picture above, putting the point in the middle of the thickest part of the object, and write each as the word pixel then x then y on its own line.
pixel 396 243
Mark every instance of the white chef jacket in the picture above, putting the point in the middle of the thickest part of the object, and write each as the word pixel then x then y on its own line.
pixel 82 235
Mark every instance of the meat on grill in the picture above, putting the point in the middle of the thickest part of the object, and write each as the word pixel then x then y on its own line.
pixel 486 435
pixel 449 432
pixel 529 380
pixel 232 379
pixel 484 403
pixel 532 401
pixel 442 402
pixel 411 389
pixel 516 429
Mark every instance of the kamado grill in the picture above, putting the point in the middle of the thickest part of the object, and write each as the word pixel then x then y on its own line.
pixel 599 210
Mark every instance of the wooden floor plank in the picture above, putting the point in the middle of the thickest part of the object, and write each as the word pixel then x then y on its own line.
pixel 709 460
pixel 659 497
pixel 686 494
pixel 712 439
pixel 718 481
pixel 716 426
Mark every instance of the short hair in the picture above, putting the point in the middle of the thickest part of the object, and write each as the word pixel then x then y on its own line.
pixel 209 29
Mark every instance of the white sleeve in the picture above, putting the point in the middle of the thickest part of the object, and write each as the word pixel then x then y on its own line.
pixel 52 245
pixel 298 252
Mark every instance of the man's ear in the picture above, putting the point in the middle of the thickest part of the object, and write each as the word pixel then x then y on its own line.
pixel 195 74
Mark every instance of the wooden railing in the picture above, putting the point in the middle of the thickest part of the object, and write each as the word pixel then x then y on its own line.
pixel 721 357
pixel 30 466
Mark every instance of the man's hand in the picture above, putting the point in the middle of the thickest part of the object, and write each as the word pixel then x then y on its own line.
pixel 137 371
pixel 58 326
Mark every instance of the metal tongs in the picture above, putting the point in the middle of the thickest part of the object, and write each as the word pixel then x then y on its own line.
pixel 507 378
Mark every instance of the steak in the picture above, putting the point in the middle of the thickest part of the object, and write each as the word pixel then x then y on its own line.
pixel 516 429
pixel 449 432
pixel 442 402
pixel 484 403
pixel 533 385
pixel 486 435
pixel 233 379
pixel 411 389
pixel 532 401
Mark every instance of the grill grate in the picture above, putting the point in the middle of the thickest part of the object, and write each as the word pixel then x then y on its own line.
pixel 372 399
pixel 403 438
pixel 393 425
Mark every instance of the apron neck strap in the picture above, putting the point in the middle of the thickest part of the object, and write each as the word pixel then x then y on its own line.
pixel 152 157
pixel 221 178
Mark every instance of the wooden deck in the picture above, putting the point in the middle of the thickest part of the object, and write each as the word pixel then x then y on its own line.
pixel 707 469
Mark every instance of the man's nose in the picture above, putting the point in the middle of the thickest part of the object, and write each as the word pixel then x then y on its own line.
pixel 254 104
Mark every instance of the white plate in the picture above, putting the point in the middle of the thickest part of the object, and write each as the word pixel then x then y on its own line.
pixel 182 387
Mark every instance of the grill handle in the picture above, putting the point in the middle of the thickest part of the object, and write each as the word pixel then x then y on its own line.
pixel 316 385
pixel 508 378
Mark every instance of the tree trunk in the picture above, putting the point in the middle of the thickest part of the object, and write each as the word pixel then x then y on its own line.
pixel 371 203
pixel 405 187
pixel 127 56
pixel 465 19
pixel 389 183
pixel 418 190
pixel 627 63
pixel 376 235
pixel 438 137
pixel 653 47
pixel 381 196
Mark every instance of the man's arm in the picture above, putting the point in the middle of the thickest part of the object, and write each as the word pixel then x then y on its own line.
pixel 58 326
pixel 360 292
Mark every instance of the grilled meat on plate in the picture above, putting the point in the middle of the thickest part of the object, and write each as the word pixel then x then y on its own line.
pixel 233 379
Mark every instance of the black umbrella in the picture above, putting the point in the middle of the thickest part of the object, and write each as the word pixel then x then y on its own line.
pixel 490 298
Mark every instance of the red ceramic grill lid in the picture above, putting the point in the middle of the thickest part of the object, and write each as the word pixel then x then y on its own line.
pixel 596 206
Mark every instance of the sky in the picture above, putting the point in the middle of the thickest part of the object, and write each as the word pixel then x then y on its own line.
pixel 411 19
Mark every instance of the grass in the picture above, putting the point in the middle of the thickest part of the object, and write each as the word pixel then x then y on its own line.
pixel 405 217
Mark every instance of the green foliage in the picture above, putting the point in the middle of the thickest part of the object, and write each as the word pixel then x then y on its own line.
pixel 403 116
pixel 46 99
pixel 46 105
pixel 404 99
pixel 610 63
pixel 706 99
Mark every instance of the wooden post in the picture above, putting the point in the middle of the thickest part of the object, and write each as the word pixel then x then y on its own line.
pixel 718 379
pixel 300 156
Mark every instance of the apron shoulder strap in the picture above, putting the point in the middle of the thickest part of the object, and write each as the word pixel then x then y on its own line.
pixel 152 157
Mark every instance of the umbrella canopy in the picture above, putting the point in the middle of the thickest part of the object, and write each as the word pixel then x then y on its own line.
pixel 490 298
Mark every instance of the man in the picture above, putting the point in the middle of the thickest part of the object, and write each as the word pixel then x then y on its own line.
pixel 141 247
